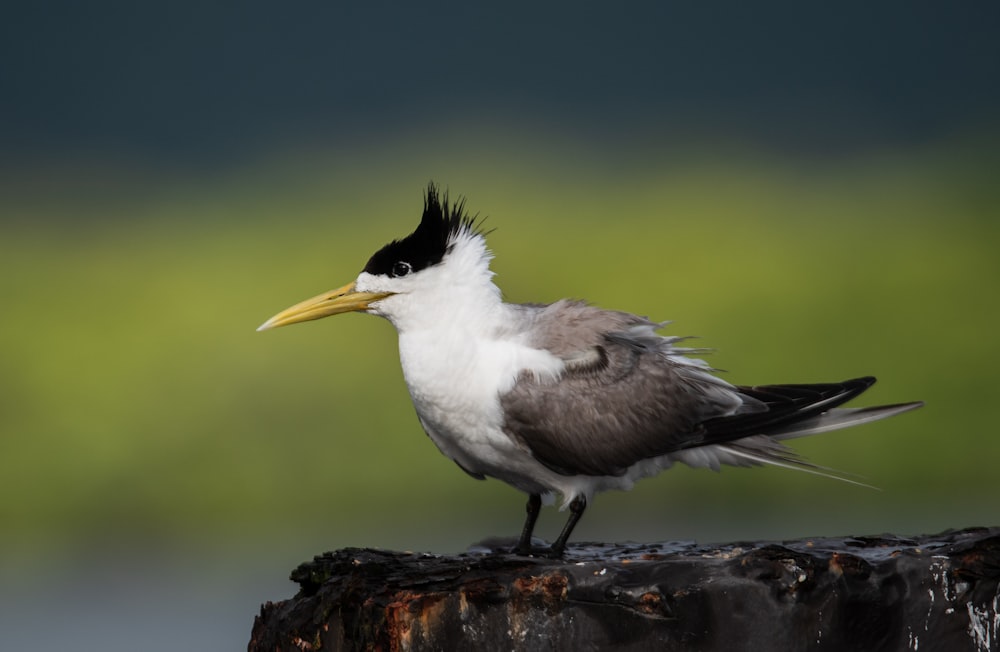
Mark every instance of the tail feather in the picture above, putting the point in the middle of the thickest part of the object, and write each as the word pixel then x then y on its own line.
pixel 798 410
pixel 794 464
pixel 841 418
pixel 792 411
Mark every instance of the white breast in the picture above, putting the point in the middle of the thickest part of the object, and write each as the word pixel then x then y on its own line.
pixel 455 380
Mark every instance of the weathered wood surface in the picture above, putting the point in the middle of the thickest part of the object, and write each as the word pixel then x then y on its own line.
pixel 937 592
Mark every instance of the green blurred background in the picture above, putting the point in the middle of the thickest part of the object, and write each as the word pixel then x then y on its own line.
pixel 815 199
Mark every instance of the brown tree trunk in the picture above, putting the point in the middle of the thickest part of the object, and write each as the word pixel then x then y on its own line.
pixel 935 592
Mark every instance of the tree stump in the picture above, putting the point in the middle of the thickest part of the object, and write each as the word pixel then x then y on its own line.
pixel 937 592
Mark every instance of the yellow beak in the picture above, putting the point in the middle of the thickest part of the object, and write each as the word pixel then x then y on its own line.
pixel 344 299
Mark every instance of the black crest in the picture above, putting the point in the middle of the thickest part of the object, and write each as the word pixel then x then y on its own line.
pixel 428 244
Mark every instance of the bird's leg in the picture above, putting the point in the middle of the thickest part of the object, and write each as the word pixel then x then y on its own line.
pixel 575 512
pixel 524 543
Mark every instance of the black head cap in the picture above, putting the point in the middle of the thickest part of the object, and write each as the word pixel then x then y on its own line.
pixel 428 244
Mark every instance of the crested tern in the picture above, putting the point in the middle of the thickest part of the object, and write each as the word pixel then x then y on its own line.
pixel 566 398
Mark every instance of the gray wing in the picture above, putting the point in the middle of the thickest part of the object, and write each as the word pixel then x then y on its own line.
pixel 627 394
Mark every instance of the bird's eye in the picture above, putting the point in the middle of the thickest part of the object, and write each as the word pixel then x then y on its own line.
pixel 401 268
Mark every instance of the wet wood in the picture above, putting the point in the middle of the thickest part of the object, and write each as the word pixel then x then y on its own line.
pixel 936 592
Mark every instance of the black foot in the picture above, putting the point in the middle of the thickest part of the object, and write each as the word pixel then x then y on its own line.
pixel 557 549
pixel 547 552
pixel 539 548
pixel 576 509
pixel 552 553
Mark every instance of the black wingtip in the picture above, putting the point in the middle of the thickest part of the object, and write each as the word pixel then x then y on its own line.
pixel 786 404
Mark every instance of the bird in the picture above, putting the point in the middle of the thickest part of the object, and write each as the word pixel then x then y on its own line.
pixel 564 400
